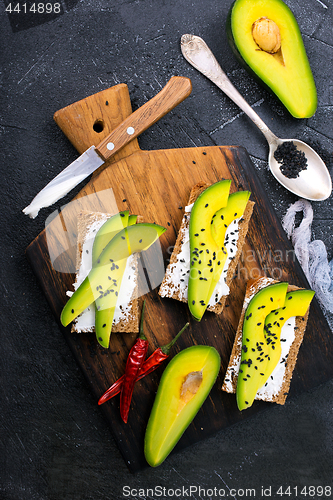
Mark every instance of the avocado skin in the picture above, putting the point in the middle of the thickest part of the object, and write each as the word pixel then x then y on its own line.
pixel 292 110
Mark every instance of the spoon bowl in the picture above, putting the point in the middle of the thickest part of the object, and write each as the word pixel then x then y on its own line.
pixel 314 183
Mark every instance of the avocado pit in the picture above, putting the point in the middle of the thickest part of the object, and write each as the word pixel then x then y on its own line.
pixel 266 35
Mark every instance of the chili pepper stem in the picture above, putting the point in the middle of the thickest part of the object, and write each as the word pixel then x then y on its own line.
pixel 166 348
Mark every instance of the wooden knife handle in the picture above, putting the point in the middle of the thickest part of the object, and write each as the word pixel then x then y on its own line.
pixel 175 91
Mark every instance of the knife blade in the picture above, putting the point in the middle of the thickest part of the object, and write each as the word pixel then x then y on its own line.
pixel 174 92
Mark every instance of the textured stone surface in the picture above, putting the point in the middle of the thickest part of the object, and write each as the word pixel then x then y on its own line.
pixel 55 442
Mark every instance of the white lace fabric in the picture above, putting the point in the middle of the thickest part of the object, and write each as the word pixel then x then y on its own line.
pixel 312 255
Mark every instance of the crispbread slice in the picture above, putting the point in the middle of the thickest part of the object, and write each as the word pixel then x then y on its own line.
pixel 126 317
pixel 169 287
pixel 289 361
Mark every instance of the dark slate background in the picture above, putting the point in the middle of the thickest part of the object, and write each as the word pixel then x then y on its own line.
pixel 55 443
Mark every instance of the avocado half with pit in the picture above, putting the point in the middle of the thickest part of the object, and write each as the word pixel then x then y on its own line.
pixel 266 39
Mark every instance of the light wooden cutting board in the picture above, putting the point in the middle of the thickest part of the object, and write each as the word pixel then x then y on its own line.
pixel 156 185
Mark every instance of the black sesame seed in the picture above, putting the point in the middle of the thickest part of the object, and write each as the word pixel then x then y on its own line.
pixel 292 161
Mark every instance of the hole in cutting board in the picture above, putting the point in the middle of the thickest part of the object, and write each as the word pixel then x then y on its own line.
pixel 98 126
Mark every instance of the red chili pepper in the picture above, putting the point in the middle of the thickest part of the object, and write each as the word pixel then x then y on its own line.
pixel 134 362
pixel 153 362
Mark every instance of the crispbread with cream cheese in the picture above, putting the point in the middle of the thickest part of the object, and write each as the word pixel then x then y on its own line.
pixel 126 318
pixel 174 285
pixel 287 361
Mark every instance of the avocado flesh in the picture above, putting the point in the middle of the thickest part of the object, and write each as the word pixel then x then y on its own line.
pixel 287 73
pixel 129 240
pixel 205 254
pixel 107 231
pixel 296 304
pixel 223 218
pixel 221 221
pixel 105 306
pixel 254 354
pixel 173 411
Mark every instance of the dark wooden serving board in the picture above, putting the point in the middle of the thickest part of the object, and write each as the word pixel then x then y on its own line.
pixel 156 184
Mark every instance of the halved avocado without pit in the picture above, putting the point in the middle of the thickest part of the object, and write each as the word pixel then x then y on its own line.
pixel 266 39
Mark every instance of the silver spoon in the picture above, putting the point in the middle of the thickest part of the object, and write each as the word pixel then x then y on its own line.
pixel 315 182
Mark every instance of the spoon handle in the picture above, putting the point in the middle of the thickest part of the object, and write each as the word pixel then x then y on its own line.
pixel 197 53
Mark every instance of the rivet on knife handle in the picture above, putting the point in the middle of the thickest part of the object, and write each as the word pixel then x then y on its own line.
pixel 175 91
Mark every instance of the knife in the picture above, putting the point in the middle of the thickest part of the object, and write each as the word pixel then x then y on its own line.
pixel 174 92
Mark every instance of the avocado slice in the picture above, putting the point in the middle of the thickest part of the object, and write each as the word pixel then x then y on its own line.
pixel 184 386
pixel 205 254
pixel 296 304
pixel 255 351
pixel 108 268
pixel 225 216
pixel 266 39
pixel 105 306
pixel 107 231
